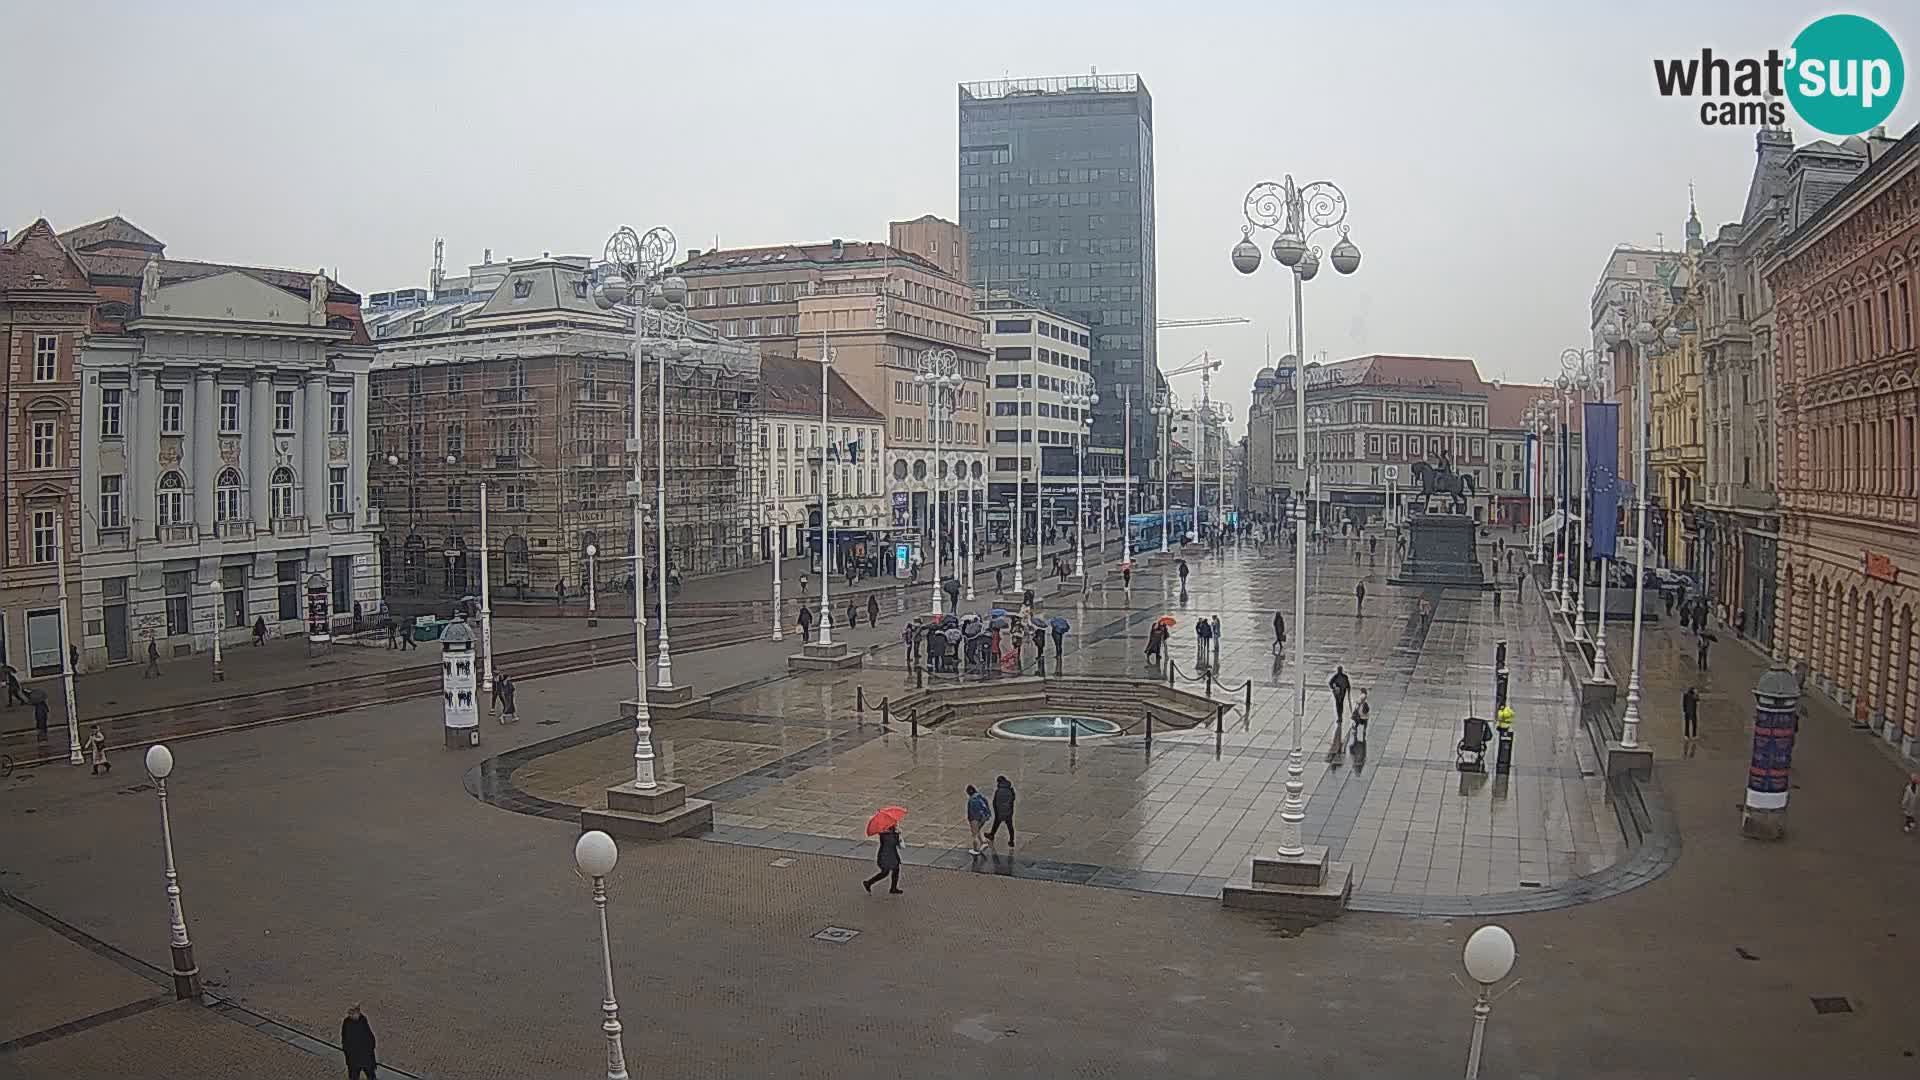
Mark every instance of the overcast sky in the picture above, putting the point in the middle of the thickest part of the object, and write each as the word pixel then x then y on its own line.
pixel 1491 157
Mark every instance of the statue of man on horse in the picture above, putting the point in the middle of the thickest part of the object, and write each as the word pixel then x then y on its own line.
pixel 1440 479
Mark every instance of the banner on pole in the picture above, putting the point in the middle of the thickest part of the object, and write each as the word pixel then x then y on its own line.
pixel 1601 443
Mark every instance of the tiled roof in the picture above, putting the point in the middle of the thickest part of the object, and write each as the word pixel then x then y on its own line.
pixel 782 255
pixel 790 387
pixel 172 270
pixel 1438 372
pixel 35 259
pixel 1507 402
pixel 112 232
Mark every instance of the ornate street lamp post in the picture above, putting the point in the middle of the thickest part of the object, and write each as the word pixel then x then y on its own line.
pixel 595 854
pixel 775 527
pixel 1296 215
pixel 186 973
pixel 1082 400
pixel 939 372
pixel 1162 409
pixel 1644 338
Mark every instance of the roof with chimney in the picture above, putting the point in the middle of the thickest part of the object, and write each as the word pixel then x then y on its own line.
pixel 1445 373
pixel 791 387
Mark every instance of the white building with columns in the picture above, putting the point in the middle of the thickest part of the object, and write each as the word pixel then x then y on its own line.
pixel 225 463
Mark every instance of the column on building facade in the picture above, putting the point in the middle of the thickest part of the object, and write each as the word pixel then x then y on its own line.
pixel 259 444
pixel 313 454
pixel 201 425
pixel 357 449
pixel 143 450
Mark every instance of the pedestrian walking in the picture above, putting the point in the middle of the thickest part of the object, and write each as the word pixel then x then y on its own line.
pixel 888 860
pixel 1059 629
pixel 503 689
pixel 393 633
pixel 1003 796
pixel 1181 565
pixel 806 623
pixel 356 1041
pixel 1203 634
pixel 1496 601
pixel 999 579
pixel 96 745
pixel 1690 712
pixel 1279 632
pixel 407 640
pixel 976 820
pixel 13 687
pixel 1126 574
pixel 1359 599
pixel 853 615
pixel 1362 712
pixel 560 591
pixel 873 610
pixel 153 661
pixel 1214 633
pixel 260 631
pixel 1700 654
pixel 41 716
pixel 1156 641
pixel 1340 685
pixel 1910 802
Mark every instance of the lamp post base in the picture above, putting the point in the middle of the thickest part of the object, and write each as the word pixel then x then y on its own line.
pixel 659 814
pixel 1309 885
pixel 671 703
pixel 186 974
pixel 814 656
pixel 1637 759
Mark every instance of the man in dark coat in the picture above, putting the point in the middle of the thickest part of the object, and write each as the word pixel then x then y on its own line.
pixel 356 1039
pixel 1003 796
pixel 1690 711
pixel 873 610
pixel 806 623
pixel 1339 684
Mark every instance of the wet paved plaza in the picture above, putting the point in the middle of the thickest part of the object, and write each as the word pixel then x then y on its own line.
pixel 791 766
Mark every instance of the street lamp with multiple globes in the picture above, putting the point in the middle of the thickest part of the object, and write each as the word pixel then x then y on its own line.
pixel 775 529
pixel 1296 215
pixel 638 261
pixel 1644 339
pixel 595 854
pixel 640 271
pixel 593 610
pixel 186 974
pixel 1081 399
pixel 1582 366
pixel 939 372
pixel 1562 572
pixel 1162 409
pixel 970 476
pixel 1536 418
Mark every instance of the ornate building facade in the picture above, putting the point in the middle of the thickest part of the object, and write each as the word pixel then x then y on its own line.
pixel 1677 457
pixel 1845 280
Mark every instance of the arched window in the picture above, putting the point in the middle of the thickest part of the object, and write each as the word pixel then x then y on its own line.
pixel 228 496
pixel 281 493
pixel 172 498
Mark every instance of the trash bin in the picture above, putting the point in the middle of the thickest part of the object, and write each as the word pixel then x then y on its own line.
pixel 426 628
pixel 1503 761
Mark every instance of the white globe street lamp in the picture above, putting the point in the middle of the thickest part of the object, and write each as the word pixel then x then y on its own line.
pixel 595 854
pixel 186 973
pixel 1488 956
pixel 593 611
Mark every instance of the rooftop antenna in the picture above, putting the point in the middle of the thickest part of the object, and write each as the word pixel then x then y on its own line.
pixel 439 268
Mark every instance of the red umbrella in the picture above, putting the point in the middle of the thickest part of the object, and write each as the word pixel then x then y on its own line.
pixel 1165 620
pixel 884 819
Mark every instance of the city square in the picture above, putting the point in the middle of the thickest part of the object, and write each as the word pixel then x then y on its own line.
pixel 637 541
pixel 347 858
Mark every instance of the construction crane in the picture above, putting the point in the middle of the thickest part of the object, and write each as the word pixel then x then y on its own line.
pixel 1224 320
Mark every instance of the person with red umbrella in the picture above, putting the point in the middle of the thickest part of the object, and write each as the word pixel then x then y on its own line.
pixel 886 825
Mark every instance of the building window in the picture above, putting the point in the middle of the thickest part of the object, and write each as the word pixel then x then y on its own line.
pixel 342 582
pixel 229 411
pixel 337 490
pixel 171 499
pixel 753 294
pixel 44 541
pixel 283 411
pixel 280 493
pixel 286 576
pixel 516 497
pixel 227 496
pixel 46 445
pixel 337 413
pixel 456 438
pixel 46 358
pixel 456 497
pixel 456 382
pixel 110 403
pixel 111 516
pixel 178 585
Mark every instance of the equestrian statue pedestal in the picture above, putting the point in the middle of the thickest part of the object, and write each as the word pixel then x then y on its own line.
pixel 1442 539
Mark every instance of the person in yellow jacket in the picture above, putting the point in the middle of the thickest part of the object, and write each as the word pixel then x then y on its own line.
pixel 1504 718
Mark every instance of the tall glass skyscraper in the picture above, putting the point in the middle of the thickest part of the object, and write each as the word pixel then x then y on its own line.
pixel 1056 198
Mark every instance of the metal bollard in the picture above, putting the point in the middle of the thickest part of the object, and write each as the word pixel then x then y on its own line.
pixel 914 719
pixel 1219 723
pixel 1209 682
pixel 1073 732
pixel 1248 715
pixel 1149 729
pixel 883 714
pixel 859 706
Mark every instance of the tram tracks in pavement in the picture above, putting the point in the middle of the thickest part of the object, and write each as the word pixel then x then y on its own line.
pixel 139 728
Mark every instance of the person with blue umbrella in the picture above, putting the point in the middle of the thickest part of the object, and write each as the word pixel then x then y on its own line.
pixel 1059 625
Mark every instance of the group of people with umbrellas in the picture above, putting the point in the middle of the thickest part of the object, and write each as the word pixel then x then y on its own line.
pixel 972 642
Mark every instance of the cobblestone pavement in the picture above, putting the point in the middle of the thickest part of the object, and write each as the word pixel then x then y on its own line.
pixel 791 767
pixel 338 860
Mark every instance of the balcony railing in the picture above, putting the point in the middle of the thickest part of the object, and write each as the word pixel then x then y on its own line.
pixel 290 526
pixel 234 529
pixel 182 533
